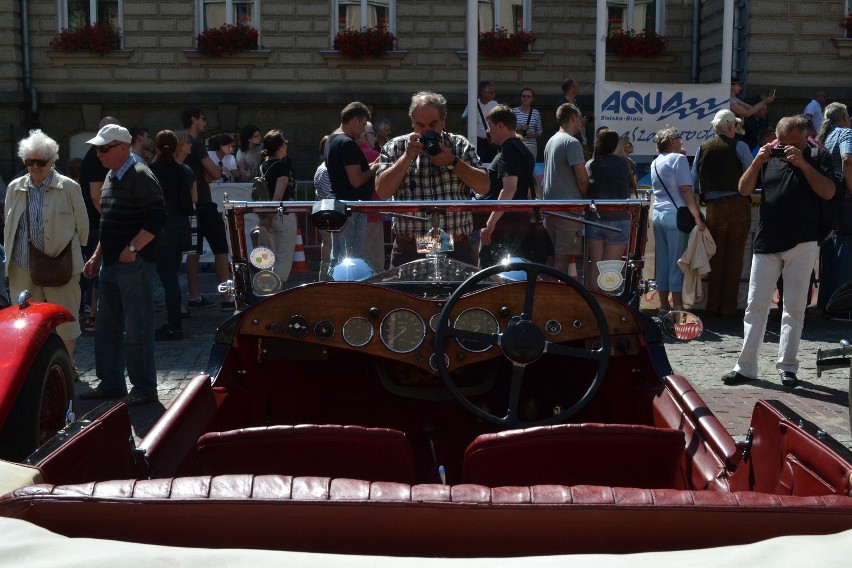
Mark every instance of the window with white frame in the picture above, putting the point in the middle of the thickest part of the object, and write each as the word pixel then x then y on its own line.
pixel 638 15
pixel 514 15
pixel 74 14
pixel 358 14
pixel 216 13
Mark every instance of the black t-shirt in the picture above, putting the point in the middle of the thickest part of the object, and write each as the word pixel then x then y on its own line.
pixel 789 209
pixel 342 151
pixel 274 169
pixel 176 182
pixel 197 153
pixel 513 159
pixel 92 170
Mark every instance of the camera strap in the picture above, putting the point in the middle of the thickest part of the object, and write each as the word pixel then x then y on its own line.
pixel 482 116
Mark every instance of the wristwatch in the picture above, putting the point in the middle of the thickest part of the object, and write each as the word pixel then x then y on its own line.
pixel 452 166
pixel 132 248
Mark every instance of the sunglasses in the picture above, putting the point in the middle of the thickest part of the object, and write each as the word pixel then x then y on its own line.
pixel 35 162
pixel 107 148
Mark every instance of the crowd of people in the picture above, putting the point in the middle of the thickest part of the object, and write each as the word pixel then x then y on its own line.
pixel 129 211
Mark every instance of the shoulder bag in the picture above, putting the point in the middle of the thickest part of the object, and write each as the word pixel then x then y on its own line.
pixel 47 271
pixel 685 220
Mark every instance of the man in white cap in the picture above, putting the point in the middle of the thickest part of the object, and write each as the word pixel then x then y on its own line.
pixel 716 171
pixel 132 213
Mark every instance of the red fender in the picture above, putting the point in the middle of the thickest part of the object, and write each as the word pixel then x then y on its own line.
pixel 23 330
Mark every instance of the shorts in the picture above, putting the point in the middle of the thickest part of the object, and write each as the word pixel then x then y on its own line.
pixel 610 237
pixel 565 235
pixel 211 226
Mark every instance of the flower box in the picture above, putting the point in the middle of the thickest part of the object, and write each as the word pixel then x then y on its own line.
pixel 364 43
pixel 99 39
pixel 630 43
pixel 227 39
pixel 500 44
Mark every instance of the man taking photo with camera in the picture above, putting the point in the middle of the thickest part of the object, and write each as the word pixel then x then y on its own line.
pixel 795 178
pixel 430 164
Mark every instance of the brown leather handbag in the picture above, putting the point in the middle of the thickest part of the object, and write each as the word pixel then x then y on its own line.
pixel 48 271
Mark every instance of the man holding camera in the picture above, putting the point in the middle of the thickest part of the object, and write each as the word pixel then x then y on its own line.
pixel 795 179
pixel 430 164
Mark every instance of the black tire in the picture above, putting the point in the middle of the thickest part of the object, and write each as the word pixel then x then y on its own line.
pixel 40 407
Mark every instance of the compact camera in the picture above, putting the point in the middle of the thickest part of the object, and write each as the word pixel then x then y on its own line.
pixel 432 142
pixel 778 152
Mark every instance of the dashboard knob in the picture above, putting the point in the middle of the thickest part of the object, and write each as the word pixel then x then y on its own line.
pixel 374 312
pixel 297 326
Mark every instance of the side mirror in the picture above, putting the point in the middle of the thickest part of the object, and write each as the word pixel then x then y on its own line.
pixel 683 326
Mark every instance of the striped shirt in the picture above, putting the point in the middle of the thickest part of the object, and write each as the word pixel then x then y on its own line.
pixel 424 181
pixel 535 126
pixel 21 252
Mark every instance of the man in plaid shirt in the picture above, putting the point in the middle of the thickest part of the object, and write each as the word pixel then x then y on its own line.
pixel 407 172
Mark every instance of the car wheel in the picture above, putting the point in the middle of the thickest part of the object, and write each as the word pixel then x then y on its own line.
pixel 40 407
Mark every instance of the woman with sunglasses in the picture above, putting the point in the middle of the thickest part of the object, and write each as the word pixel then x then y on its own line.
pixel 45 208
pixel 671 179
pixel 529 126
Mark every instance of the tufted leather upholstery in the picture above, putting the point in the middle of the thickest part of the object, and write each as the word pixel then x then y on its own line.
pixel 617 455
pixel 355 516
pixel 375 454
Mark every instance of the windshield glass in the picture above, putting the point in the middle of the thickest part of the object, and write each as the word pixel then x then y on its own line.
pixel 601 244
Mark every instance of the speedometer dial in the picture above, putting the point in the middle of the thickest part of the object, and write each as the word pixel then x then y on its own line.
pixel 479 321
pixel 357 332
pixel 402 331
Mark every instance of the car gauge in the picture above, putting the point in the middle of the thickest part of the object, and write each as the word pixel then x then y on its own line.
pixel 357 331
pixel 402 331
pixel 479 321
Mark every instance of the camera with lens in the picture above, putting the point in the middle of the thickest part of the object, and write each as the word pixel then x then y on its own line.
pixel 777 152
pixel 431 140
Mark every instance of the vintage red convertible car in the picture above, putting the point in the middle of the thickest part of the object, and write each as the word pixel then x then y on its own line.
pixel 436 410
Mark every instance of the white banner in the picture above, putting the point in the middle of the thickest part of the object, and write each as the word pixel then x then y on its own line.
pixel 640 109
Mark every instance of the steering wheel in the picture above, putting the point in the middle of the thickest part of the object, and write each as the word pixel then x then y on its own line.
pixel 522 343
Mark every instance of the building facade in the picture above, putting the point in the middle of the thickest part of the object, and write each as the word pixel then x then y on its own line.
pixel 297 82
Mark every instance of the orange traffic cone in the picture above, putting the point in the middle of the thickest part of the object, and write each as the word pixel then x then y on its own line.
pixel 300 264
pixel 572 268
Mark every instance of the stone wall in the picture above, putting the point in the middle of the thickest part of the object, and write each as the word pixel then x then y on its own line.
pixel 296 83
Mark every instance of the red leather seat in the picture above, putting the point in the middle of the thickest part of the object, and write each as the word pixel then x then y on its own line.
pixel 374 454
pixel 614 455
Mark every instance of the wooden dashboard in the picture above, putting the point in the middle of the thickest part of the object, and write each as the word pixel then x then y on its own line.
pixel 384 322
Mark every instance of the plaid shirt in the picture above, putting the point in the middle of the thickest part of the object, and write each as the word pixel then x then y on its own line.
pixel 425 181
pixel 839 142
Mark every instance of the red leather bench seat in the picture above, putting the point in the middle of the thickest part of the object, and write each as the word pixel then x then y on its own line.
pixel 380 454
pixel 616 455
pixel 354 516
pixel 709 446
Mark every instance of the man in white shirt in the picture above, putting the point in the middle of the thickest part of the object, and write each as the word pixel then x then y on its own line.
pixel 485 103
pixel 814 109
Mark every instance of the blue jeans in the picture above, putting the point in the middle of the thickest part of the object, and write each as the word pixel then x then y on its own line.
pixel 670 243
pixel 350 241
pixel 124 336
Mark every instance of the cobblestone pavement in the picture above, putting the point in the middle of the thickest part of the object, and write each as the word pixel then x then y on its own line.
pixel 823 401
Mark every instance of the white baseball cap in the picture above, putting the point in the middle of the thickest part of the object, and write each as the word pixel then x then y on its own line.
pixel 111 133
